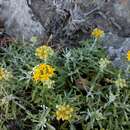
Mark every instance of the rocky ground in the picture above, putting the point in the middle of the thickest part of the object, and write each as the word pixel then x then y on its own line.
pixel 69 21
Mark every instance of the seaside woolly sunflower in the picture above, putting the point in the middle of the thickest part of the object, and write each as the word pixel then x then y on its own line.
pixel 97 33
pixel 4 74
pixel 120 82
pixel 43 52
pixel 49 83
pixel 103 63
pixel 128 55
pixel 43 72
pixel 64 112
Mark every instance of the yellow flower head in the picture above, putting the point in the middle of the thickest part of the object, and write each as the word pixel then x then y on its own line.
pixel 97 33
pixel 64 112
pixel 43 72
pixel 128 55
pixel 4 74
pixel 120 82
pixel 43 52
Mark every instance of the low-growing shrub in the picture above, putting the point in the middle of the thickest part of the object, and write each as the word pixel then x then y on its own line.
pixel 77 89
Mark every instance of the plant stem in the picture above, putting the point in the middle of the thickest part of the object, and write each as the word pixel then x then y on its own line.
pixel 95 41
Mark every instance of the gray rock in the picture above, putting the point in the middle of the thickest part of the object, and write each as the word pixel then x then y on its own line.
pixel 117 49
pixel 67 20
pixel 19 19
pixel 70 21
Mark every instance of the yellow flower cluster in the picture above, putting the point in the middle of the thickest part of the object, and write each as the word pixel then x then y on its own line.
pixel 128 55
pixel 43 52
pixel 97 33
pixel 64 112
pixel 43 72
pixel 4 74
